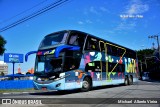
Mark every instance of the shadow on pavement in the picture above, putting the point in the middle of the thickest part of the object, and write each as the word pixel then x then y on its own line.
pixel 150 80
pixel 65 92
pixel 155 81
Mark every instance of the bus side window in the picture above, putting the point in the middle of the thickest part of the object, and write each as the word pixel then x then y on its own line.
pixel 118 52
pixel 47 42
pixel 72 60
pixel 89 68
pixel 73 40
pixel 77 39
pixel 121 52
pixel 102 48
pixel 94 66
pixel 109 49
pixel 130 54
pixel 114 50
pixel 92 44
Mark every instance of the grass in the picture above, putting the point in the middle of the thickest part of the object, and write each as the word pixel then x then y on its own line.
pixel 17 90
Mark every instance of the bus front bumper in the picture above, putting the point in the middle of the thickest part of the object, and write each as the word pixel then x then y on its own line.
pixel 54 85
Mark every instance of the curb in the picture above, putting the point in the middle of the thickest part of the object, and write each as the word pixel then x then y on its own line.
pixel 14 93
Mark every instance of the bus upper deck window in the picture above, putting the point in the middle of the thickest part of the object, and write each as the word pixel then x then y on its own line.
pixel 93 44
pixel 77 39
pixel 64 38
pixel 73 40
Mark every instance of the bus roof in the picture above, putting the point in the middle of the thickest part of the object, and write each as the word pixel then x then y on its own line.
pixel 91 36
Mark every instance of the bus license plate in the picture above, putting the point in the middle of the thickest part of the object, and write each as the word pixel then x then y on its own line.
pixel 44 88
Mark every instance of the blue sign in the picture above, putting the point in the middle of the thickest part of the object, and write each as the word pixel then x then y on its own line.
pixel 13 58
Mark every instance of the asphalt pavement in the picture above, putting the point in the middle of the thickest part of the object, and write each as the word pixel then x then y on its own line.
pixel 142 93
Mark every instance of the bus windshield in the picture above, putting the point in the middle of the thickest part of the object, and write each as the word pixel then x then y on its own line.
pixel 48 64
pixel 53 39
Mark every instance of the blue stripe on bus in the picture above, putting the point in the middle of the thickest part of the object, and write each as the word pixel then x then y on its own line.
pixel 60 48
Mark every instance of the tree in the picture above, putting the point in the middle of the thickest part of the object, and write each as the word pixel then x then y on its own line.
pixel 20 73
pixel 141 54
pixel 28 73
pixel 149 63
pixel 2 44
pixel 2 73
pixel 144 63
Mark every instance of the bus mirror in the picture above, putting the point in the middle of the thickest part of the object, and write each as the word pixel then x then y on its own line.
pixel 75 48
pixel 60 48
pixel 29 53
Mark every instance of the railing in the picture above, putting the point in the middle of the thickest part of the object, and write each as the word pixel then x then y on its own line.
pixel 19 82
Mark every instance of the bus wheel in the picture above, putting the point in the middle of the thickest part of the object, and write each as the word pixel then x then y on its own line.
pixel 130 80
pixel 86 85
pixel 126 81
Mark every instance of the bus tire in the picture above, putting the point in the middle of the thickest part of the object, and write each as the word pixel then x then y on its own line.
pixel 87 84
pixel 130 80
pixel 126 81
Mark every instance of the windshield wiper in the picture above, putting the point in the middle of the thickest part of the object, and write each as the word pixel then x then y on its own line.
pixel 57 69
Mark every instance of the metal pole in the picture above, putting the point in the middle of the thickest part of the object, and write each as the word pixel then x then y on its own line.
pixel 141 73
pixel 141 66
pixel 158 47
pixel 144 57
pixel 145 61
pixel 13 70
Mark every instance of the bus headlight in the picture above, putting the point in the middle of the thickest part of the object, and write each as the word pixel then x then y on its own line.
pixel 52 77
pixel 34 78
pixel 39 79
pixel 58 84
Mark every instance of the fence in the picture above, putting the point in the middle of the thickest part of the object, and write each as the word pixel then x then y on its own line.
pixel 19 82
pixel 16 84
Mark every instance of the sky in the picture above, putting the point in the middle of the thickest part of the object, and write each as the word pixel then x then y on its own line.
pixel 125 22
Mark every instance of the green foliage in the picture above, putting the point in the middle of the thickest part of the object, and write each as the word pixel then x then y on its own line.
pixel 28 73
pixel 148 60
pixel 2 73
pixel 2 44
pixel 145 52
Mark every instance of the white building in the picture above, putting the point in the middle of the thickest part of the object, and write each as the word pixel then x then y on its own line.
pixel 3 68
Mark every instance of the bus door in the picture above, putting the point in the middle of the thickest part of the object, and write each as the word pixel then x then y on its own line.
pixel 95 59
pixel 103 62
pixel 71 68
pixel 76 39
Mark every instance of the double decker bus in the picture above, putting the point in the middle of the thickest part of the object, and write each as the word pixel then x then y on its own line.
pixel 72 59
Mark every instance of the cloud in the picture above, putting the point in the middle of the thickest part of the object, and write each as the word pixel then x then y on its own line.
pixel 103 9
pixel 85 11
pixel 89 21
pixel 125 26
pixel 93 10
pixel 136 7
pixel 133 10
pixel 80 22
